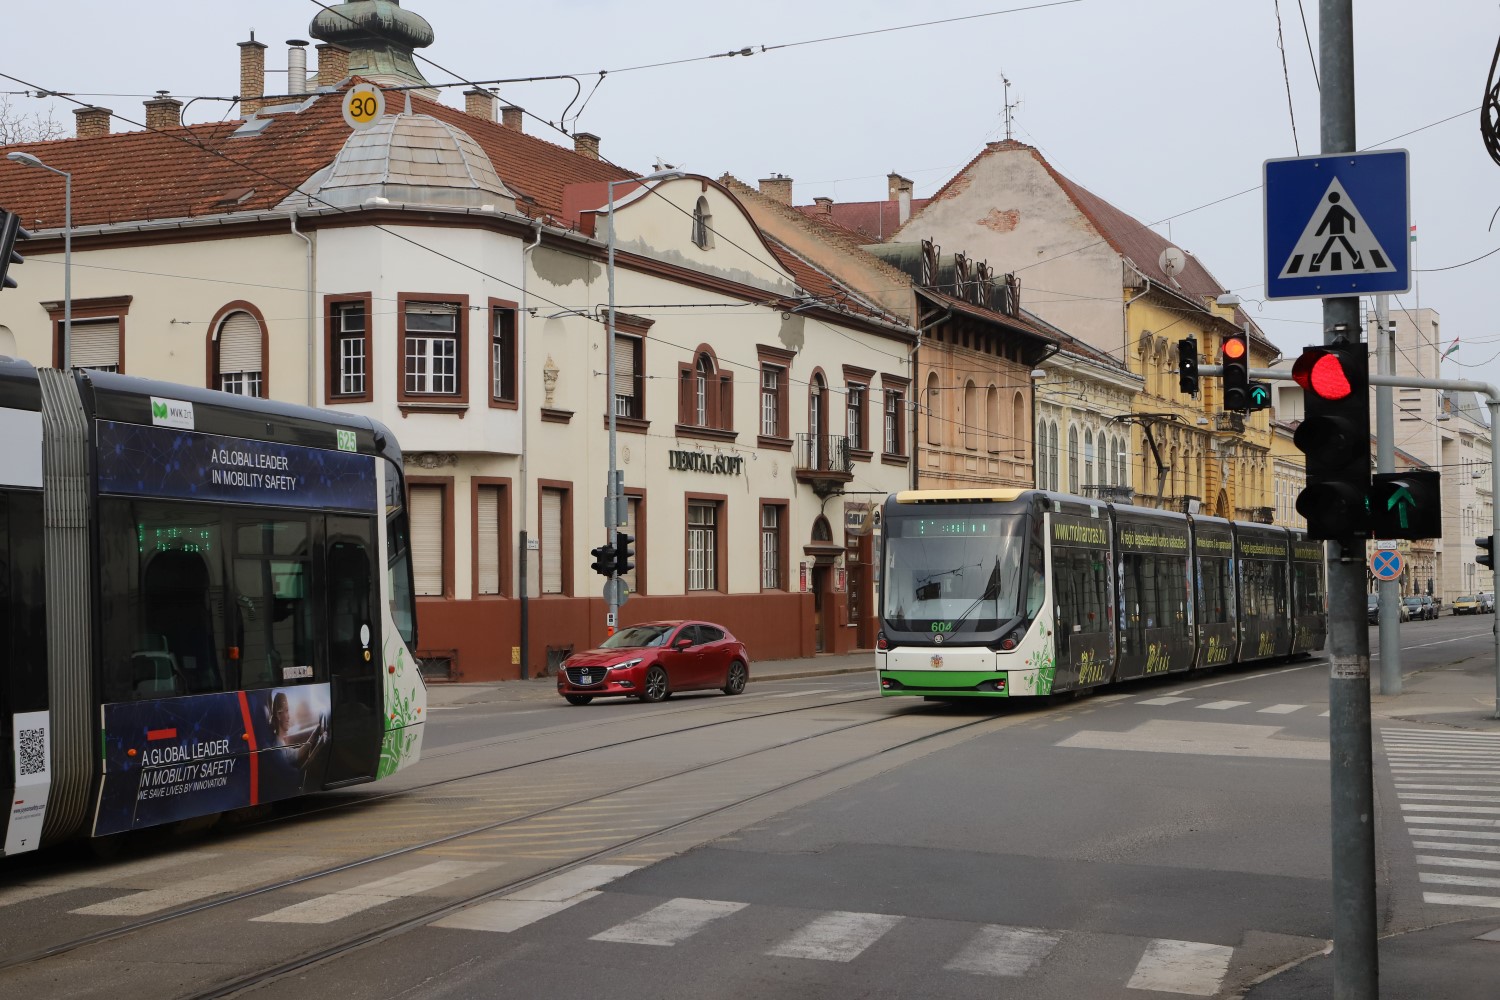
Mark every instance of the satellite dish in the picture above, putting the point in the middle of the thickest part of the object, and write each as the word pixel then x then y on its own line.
pixel 1172 261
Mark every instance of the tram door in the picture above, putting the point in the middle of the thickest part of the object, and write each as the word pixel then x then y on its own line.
pixel 354 651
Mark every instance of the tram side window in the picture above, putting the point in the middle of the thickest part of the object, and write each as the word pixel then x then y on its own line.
pixel 1276 587
pixel 1216 591
pixel 163 600
pixel 398 557
pixel 1171 572
pixel 1309 587
pixel 1081 591
pixel 1250 588
pixel 275 615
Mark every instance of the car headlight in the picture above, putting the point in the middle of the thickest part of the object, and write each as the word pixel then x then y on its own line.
pixel 627 664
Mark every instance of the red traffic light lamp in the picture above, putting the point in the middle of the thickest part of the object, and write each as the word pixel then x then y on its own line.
pixel 1236 352
pixel 1320 371
pixel 1335 437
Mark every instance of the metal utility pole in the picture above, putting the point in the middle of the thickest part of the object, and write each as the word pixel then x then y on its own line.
pixel 1356 971
pixel 1385 461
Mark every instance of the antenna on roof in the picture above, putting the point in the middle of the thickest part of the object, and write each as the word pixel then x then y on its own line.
pixel 1009 107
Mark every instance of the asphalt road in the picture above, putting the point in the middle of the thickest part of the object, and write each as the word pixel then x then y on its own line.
pixel 1169 837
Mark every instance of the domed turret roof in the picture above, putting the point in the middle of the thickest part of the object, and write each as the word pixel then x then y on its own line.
pixel 380 37
pixel 413 159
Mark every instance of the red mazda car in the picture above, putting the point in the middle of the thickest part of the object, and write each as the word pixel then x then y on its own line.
pixel 654 660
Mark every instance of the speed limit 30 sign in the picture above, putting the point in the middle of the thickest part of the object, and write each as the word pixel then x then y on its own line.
pixel 363 105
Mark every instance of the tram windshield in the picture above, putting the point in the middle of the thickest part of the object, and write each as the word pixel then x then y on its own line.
pixel 947 573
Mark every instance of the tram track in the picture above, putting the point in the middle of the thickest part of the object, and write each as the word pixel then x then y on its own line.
pixel 136 927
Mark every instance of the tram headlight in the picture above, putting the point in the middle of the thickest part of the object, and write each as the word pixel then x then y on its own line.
pixel 880 642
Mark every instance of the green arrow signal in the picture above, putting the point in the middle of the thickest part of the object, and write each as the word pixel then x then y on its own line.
pixel 1258 395
pixel 1405 500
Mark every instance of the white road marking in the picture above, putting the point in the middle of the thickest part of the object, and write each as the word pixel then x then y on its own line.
pixel 1443 845
pixel 1218 739
pixel 1190 967
pixel 1248 677
pixel 528 905
pixel 1440 642
pixel 1469 834
pixel 1441 797
pixel 673 921
pixel 1426 807
pixel 1281 709
pixel 1219 706
pixel 839 936
pixel 800 694
pixel 347 902
pixel 1322 715
pixel 1442 862
pixel 1164 700
pixel 1453 899
pixel 1452 820
pixel 1477 881
pixel 1439 734
pixel 190 891
pixel 95 877
pixel 1448 788
pixel 1005 951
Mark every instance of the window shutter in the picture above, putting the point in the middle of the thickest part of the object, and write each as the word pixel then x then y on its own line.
pixel 96 345
pixel 624 366
pixel 427 539
pixel 487 538
pixel 552 554
pixel 239 344
pixel 726 401
pixel 685 394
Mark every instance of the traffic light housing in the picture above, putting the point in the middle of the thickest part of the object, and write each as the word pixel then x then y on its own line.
pixel 604 560
pixel 1260 396
pixel 1236 351
pixel 10 232
pixel 1335 437
pixel 1486 556
pixel 1406 504
pixel 624 553
pixel 1187 366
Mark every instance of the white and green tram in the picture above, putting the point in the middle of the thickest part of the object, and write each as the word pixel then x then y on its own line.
pixel 1002 593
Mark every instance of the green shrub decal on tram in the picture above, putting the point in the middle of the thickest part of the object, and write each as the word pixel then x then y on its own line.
pixel 1006 593
pixel 207 604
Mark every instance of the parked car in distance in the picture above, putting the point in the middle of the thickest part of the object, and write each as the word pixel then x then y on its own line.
pixel 1467 605
pixel 1487 602
pixel 655 660
pixel 1372 606
pixel 1419 606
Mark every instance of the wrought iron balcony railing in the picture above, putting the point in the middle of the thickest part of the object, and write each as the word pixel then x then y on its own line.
pixel 824 453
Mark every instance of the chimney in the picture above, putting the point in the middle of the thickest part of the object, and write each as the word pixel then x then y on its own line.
pixel 586 144
pixel 480 104
pixel 252 75
pixel 163 112
pixel 513 118
pixel 777 187
pixel 296 66
pixel 91 122
pixel 825 207
pixel 333 64
pixel 899 190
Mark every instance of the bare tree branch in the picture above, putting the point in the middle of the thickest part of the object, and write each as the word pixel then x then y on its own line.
pixel 18 127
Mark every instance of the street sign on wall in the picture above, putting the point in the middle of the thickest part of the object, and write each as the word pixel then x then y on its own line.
pixel 1337 225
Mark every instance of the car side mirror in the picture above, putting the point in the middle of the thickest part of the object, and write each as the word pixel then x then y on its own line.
pixel 682 643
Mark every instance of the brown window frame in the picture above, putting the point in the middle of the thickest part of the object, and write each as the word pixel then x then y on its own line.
pixel 445 485
pixel 433 401
pixel 333 362
pixel 565 531
pixel 212 353
pixel 503 483
pixel 110 307
pixel 781 360
pixel 637 495
pixel 720 502
pixel 783 542
pixel 900 386
pixel 718 404
pixel 509 397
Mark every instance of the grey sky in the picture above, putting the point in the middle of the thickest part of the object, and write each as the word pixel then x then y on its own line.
pixel 1160 106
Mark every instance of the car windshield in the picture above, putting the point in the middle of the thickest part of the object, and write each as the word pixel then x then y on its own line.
pixel 1466 600
pixel 1373 600
pixel 637 636
pixel 1412 601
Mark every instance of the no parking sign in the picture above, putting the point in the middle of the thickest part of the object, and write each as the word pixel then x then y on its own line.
pixel 1386 565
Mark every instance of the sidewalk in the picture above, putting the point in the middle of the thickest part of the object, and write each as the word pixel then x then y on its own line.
pixel 443 695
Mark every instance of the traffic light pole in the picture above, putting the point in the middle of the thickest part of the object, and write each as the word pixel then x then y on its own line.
pixel 1385 461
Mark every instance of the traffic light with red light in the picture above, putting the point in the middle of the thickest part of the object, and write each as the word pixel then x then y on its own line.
pixel 1335 437
pixel 1236 351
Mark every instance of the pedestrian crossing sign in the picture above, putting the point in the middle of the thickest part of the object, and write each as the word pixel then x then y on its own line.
pixel 1337 225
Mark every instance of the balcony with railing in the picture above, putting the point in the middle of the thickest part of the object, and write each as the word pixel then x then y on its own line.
pixel 824 462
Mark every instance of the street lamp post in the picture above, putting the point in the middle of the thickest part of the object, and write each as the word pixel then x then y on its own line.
pixel 26 159
pixel 613 495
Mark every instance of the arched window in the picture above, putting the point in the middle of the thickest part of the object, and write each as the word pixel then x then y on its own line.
pixel 704 377
pixel 817 420
pixel 1088 459
pixel 1019 426
pixel 703 225
pixel 238 365
pixel 934 410
pixel 992 419
pixel 1124 455
pixel 971 415
pixel 1052 461
pixel 1072 459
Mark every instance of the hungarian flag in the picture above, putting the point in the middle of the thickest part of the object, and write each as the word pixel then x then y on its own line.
pixel 1414 234
pixel 1451 348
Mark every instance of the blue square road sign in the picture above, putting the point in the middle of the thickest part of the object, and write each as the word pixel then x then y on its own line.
pixel 1338 225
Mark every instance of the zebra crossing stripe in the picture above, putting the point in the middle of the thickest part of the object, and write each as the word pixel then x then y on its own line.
pixel 535 902
pixel 345 903
pixel 673 921
pixel 839 936
pixel 1190 967
pixel 1005 951
pixel 1281 709
pixel 94 877
pixel 1164 700
pixel 191 890
pixel 1219 706
pixel 1459 899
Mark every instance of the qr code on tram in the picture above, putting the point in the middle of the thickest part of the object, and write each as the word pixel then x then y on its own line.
pixel 33 759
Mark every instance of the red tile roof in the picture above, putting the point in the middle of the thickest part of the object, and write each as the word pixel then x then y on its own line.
pixel 200 170
pixel 871 221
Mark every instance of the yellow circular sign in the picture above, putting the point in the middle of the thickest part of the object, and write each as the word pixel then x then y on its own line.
pixel 363 105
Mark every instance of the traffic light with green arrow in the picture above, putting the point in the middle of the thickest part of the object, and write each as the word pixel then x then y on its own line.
pixel 1406 504
pixel 1259 397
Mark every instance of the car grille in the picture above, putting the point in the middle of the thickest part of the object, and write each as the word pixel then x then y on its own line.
pixel 583 676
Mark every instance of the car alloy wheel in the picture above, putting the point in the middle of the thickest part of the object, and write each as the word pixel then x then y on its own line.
pixel 735 683
pixel 656 685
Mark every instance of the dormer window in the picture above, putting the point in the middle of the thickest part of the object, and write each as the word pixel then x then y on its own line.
pixel 703 225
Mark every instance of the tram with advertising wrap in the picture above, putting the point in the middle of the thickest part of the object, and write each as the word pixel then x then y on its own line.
pixel 1006 593
pixel 206 604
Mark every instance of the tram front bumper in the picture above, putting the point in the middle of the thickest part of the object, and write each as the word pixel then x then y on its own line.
pixel 945 684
